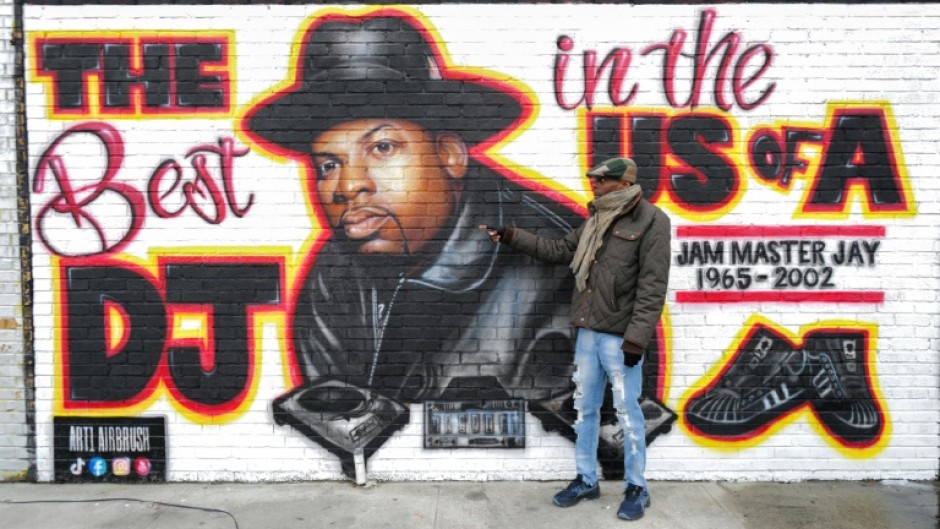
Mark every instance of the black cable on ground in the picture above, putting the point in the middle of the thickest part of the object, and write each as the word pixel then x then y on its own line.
pixel 165 504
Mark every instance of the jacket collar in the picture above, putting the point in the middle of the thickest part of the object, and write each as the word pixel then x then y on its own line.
pixel 468 256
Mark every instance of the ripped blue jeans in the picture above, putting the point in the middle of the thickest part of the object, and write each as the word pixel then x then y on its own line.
pixel 597 358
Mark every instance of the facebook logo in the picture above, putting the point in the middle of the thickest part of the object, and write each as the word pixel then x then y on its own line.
pixel 97 466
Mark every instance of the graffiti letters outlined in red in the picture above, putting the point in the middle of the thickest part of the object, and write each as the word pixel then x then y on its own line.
pixel 160 382
pixel 93 105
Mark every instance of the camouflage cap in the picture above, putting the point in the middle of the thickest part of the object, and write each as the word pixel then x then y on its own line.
pixel 615 168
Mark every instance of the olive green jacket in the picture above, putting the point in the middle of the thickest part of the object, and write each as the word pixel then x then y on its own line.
pixel 626 289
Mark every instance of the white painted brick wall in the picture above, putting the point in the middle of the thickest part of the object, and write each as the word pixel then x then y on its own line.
pixel 15 457
pixel 836 53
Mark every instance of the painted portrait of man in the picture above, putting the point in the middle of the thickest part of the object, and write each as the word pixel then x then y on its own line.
pixel 408 300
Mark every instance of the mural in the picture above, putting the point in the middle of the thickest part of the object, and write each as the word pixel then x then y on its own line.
pixel 268 237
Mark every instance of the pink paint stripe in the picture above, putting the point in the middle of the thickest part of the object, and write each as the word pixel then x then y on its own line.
pixel 779 296
pixel 730 231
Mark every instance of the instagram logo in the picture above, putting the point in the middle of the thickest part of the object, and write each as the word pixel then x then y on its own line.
pixel 121 466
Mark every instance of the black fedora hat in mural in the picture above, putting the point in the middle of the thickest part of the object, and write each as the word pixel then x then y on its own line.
pixel 379 67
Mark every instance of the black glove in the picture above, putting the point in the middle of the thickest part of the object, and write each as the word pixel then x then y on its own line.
pixel 630 356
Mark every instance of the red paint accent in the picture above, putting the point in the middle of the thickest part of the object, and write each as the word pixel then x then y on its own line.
pixel 110 308
pixel 859 157
pixel 730 232
pixel 665 358
pixel 780 296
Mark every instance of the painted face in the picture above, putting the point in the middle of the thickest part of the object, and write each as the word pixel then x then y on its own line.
pixel 387 183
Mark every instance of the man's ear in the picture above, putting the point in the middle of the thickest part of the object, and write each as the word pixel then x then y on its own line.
pixel 453 154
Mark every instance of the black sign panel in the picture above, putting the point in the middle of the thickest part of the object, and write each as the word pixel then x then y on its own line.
pixel 119 449
pixel 474 424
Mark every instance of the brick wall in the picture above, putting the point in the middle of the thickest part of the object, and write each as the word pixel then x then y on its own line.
pixel 207 297
pixel 15 453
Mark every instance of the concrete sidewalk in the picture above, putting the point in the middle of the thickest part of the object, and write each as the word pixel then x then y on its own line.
pixel 466 505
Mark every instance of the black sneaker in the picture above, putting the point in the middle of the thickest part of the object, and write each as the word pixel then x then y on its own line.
pixel 635 501
pixel 576 491
pixel 843 398
pixel 764 382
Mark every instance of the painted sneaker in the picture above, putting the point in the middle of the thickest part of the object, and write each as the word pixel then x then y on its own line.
pixel 635 502
pixel 576 491
pixel 843 398
pixel 764 382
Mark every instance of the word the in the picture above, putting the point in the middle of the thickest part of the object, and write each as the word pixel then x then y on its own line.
pixel 137 74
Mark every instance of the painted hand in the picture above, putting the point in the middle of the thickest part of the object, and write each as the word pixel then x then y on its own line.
pixel 496 234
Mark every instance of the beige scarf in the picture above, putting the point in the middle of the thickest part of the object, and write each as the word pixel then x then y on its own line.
pixel 606 209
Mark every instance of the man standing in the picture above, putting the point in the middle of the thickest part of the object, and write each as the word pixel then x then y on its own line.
pixel 620 258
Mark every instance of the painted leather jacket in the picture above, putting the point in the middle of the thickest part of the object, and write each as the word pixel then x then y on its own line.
pixel 477 320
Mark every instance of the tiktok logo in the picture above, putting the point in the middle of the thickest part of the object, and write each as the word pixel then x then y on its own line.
pixel 77 467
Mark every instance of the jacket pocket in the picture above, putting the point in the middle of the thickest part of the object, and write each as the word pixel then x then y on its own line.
pixel 629 234
pixel 624 244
